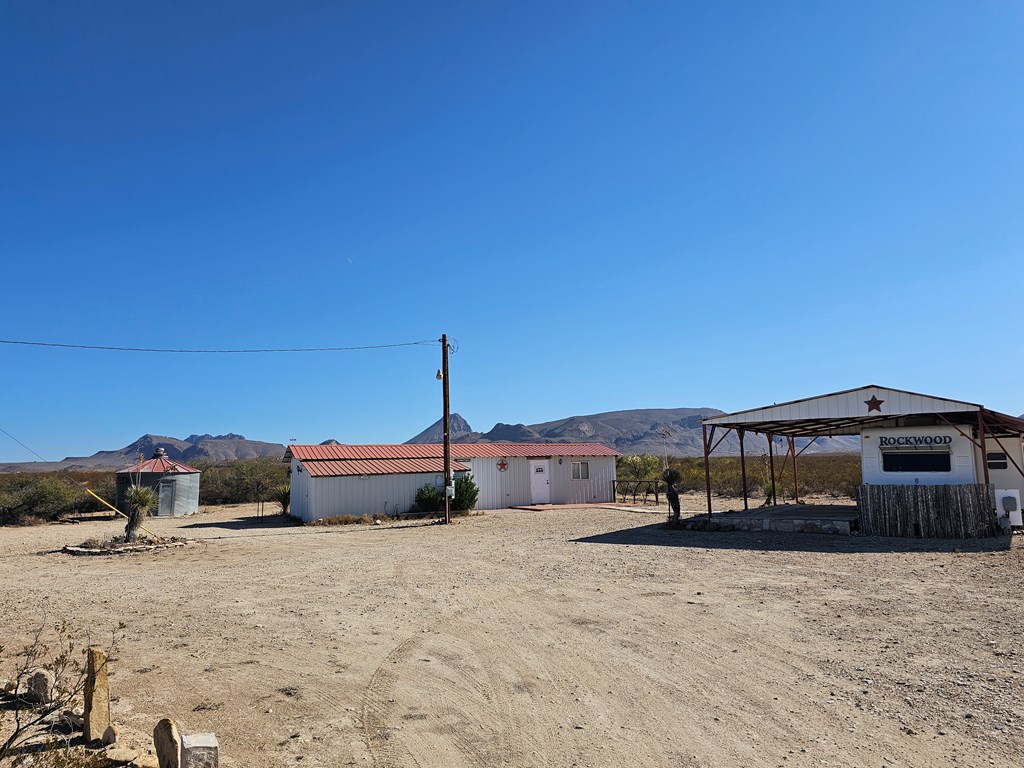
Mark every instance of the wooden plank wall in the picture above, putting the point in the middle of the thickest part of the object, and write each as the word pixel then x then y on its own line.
pixel 928 511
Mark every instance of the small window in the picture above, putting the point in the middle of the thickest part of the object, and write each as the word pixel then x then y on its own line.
pixel 581 470
pixel 916 461
pixel 997 461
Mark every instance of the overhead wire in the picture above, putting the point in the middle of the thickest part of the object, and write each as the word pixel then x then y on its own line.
pixel 216 351
pixel 22 444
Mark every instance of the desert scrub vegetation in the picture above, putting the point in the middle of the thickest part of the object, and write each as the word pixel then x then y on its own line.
pixel 44 679
pixel 430 498
pixel 345 520
pixel 240 482
pixel 836 474
pixel 28 498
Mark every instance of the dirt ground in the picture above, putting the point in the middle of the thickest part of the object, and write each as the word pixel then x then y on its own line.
pixel 587 637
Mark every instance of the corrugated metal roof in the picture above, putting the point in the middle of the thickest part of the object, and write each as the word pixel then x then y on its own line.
pixel 523 450
pixel 357 467
pixel 849 411
pixel 161 465
pixel 435 450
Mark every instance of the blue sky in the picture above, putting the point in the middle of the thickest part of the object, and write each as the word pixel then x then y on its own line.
pixel 608 204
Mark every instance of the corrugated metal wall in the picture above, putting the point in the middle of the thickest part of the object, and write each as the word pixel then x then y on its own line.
pixel 596 490
pixel 320 497
pixel 511 488
pixel 500 490
pixel 178 494
pixel 370 495
pixel 298 504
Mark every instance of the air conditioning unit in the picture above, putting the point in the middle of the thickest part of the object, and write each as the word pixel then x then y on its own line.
pixel 1008 507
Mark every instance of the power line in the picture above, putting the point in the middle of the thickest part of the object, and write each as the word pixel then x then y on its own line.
pixel 21 444
pixel 217 351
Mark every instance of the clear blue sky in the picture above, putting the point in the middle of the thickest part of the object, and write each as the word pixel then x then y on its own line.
pixel 608 204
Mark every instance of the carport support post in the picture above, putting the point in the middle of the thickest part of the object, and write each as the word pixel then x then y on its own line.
pixel 981 439
pixel 707 468
pixel 447 432
pixel 796 482
pixel 743 470
pixel 771 463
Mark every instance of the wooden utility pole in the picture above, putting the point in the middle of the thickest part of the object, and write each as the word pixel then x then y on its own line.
pixel 447 431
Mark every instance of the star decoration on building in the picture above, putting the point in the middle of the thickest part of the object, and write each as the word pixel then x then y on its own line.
pixel 874 404
pixel 502 465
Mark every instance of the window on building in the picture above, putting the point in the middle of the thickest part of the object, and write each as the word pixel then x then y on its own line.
pixel 581 470
pixel 997 461
pixel 916 461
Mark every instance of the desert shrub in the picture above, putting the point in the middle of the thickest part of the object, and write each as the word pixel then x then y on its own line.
pixel 429 498
pixel 283 496
pixel 466 493
pixel 637 467
pixel 240 482
pixel 38 497
pixel 59 650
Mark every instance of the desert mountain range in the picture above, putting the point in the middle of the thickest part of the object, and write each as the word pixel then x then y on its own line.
pixel 660 431
pixel 672 431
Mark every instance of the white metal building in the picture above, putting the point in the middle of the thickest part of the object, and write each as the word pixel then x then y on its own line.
pixel 331 480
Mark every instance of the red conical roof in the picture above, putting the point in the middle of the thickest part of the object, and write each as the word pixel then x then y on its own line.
pixel 162 465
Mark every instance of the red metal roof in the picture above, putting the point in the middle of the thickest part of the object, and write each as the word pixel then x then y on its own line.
pixel 434 450
pixel 378 467
pixel 161 465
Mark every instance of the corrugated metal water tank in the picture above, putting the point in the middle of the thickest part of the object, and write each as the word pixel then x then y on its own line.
pixel 176 484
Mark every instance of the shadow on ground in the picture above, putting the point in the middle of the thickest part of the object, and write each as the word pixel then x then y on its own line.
pixel 763 541
pixel 251 523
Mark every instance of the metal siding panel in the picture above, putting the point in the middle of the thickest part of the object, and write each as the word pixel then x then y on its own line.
pixel 366 495
pixel 596 490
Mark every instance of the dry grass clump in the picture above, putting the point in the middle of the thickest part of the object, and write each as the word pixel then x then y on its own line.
pixel 345 520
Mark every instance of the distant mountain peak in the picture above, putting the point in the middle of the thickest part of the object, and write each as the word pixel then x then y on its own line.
pixel 435 432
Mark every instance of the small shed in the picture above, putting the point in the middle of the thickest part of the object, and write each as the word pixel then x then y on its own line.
pixel 176 484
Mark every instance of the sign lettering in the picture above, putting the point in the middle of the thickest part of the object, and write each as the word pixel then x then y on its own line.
pixel 914 440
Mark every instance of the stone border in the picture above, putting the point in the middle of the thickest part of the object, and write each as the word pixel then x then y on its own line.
pixel 125 549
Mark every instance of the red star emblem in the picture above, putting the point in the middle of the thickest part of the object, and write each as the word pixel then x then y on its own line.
pixel 874 404
pixel 502 465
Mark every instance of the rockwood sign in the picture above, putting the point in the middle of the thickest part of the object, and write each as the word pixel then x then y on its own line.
pixel 914 440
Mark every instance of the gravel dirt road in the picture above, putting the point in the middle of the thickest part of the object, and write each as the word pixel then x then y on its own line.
pixel 587 637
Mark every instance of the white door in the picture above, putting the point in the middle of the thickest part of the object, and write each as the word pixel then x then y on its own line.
pixel 540 487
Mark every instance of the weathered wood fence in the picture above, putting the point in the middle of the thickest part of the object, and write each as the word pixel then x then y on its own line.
pixel 928 511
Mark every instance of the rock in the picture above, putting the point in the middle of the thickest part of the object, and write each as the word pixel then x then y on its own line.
pixel 41 687
pixel 146 761
pixel 97 694
pixel 168 744
pixel 74 717
pixel 110 735
pixel 199 750
pixel 117 756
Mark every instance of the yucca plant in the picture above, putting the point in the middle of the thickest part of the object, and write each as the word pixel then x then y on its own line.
pixel 141 501
pixel 672 477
